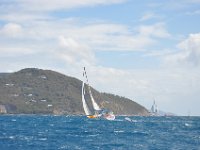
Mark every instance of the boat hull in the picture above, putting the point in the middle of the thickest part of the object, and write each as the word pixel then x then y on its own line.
pixel 92 116
pixel 109 117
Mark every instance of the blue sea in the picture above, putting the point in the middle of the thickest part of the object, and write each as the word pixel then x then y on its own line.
pixel 37 132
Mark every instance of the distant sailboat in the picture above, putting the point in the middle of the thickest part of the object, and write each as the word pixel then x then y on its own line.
pixel 98 112
pixel 154 109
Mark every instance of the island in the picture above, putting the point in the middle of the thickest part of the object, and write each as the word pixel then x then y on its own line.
pixel 37 91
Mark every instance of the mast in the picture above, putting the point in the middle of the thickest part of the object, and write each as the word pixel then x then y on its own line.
pixel 95 105
pixel 85 106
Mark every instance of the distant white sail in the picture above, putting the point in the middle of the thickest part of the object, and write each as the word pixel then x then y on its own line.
pixel 154 109
pixel 85 106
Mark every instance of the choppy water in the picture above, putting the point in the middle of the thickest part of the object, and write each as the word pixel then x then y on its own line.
pixel 35 132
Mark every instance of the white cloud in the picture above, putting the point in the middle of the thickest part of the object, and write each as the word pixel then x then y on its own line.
pixel 15 51
pixel 29 10
pixel 21 17
pixel 148 16
pixel 74 52
pixel 158 53
pixel 112 37
pixel 116 37
pixel 87 37
pixel 52 5
pixel 189 53
pixel 175 6
pixel 155 30
pixel 65 4
pixel 11 30
pixel 196 12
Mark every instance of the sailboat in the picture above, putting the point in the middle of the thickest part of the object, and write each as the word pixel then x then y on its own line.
pixel 154 109
pixel 98 112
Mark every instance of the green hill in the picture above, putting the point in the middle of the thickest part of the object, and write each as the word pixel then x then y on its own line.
pixel 36 91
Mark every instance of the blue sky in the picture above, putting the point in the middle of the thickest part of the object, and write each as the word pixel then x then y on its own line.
pixel 143 50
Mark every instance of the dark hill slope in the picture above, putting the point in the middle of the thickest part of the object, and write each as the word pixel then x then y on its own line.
pixel 36 91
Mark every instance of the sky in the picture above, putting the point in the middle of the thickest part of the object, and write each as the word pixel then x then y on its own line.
pixel 143 50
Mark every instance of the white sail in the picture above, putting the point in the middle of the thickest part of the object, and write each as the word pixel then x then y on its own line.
pixel 156 110
pixel 153 108
pixel 85 106
pixel 95 105
pixel 107 115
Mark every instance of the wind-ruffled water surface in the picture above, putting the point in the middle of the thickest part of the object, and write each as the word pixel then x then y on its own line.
pixel 40 132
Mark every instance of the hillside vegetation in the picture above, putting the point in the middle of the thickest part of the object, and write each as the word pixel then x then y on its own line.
pixel 36 91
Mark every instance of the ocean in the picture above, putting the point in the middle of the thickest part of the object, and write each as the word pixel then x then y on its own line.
pixel 39 132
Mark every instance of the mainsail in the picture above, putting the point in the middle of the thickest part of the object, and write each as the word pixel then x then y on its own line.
pixel 85 106
pixel 154 109
pixel 95 105
pixel 98 112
